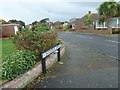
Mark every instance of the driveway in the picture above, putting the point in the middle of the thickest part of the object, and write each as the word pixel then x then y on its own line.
pixel 90 61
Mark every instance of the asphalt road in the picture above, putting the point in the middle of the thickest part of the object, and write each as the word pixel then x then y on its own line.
pixel 107 45
pixel 89 62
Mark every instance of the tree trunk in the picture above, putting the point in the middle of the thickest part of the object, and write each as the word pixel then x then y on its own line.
pixel 108 19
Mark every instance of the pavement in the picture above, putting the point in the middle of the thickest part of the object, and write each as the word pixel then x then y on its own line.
pixel 90 61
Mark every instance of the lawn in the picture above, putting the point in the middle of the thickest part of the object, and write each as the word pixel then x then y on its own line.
pixel 7 47
pixel 0 49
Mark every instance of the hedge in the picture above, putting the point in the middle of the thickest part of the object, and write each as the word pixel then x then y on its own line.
pixel 40 39
pixel 116 32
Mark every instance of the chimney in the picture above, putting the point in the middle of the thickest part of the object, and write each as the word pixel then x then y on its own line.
pixel 89 12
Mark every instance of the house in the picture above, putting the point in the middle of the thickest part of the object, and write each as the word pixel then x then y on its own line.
pixel 7 30
pixel 114 24
pixel 65 23
pixel 78 23
pixel 57 25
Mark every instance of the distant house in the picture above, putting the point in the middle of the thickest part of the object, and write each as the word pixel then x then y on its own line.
pixel 78 23
pixel 65 23
pixel 7 30
pixel 57 25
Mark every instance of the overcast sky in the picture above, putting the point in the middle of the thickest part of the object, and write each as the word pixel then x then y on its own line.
pixel 31 10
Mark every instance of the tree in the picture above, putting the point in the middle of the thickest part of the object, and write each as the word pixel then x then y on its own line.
pixel 108 10
pixel 88 22
pixel 44 20
pixel 34 23
pixel 3 21
pixel 17 22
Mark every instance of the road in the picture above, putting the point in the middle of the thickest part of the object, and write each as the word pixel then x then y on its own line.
pixel 90 61
pixel 107 45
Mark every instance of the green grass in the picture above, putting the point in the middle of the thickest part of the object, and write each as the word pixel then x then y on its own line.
pixel 0 49
pixel 7 47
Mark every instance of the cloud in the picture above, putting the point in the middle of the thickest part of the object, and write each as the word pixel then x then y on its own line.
pixel 30 11
pixel 55 0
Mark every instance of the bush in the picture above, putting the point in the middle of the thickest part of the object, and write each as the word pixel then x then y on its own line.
pixel 37 40
pixel 65 28
pixel 42 29
pixel 58 27
pixel 17 63
pixel 116 32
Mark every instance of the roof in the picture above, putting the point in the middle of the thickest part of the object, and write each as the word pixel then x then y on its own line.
pixel 93 17
pixel 9 24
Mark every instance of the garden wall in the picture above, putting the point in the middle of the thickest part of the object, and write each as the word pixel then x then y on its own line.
pixel 98 31
pixel 29 76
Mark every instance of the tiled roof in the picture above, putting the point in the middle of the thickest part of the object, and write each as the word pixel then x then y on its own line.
pixel 92 17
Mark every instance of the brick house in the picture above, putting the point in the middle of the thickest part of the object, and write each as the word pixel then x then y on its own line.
pixel 57 25
pixel 7 30
pixel 78 23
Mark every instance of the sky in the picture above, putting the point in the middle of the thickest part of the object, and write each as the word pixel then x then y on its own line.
pixel 35 10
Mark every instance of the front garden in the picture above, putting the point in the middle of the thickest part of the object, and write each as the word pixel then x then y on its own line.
pixel 28 44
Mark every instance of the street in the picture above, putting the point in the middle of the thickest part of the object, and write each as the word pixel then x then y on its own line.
pixel 90 61
pixel 104 44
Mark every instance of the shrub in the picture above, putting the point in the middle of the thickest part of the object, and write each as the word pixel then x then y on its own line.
pixel 42 29
pixel 58 27
pixel 37 40
pixel 17 63
pixel 88 22
pixel 65 28
pixel 116 32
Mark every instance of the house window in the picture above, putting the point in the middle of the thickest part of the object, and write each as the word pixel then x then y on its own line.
pixel 100 25
pixel 114 23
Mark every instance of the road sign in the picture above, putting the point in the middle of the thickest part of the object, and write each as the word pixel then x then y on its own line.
pixel 51 51
pixel 45 54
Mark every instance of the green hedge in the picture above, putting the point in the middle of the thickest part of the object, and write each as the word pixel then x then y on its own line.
pixel 17 63
pixel 40 39
pixel 116 32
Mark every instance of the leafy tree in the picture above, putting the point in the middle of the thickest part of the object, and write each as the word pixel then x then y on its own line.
pixel 88 22
pixel 3 21
pixel 17 22
pixel 61 22
pixel 118 13
pixel 88 15
pixel 44 20
pixel 34 23
pixel 101 20
pixel 108 10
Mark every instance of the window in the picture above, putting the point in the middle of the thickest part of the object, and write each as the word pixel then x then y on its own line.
pixel 100 25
